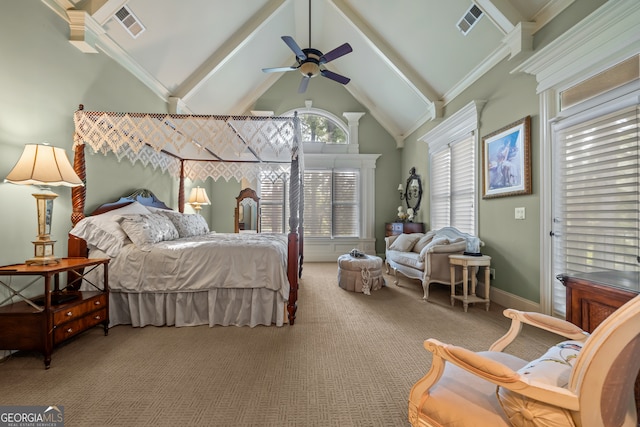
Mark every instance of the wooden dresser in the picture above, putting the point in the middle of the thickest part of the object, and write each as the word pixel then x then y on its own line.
pixel 40 323
pixel 592 297
pixel 395 228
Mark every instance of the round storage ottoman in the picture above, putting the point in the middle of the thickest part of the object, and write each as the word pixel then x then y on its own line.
pixel 360 274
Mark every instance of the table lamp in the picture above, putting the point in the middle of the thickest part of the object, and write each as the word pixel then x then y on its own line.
pixel 44 165
pixel 197 198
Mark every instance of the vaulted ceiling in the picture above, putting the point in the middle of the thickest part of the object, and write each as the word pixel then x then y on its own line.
pixel 409 57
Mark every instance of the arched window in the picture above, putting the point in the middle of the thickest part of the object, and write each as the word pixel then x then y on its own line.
pixel 320 128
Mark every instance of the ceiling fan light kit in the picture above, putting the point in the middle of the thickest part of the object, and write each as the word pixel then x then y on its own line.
pixel 309 61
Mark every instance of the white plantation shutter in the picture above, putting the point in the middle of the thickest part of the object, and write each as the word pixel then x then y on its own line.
pixel 453 186
pixel 596 197
pixel 346 203
pixel 331 203
pixel 317 206
pixel 440 187
pixel 273 196
pixel 463 185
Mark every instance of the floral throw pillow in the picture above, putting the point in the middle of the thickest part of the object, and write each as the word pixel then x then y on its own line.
pixel 188 224
pixel 144 230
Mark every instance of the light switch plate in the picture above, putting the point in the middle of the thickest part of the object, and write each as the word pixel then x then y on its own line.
pixel 519 213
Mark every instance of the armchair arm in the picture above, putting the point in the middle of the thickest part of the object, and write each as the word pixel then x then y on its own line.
pixel 494 372
pixel 539 320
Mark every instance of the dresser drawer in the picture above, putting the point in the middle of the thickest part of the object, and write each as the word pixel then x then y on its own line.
pixel 69 329
pixel 72 312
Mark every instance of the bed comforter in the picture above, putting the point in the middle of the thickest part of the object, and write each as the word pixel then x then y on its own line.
pixel 246 268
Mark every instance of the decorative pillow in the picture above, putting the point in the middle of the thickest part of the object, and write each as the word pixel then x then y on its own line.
pixel 104 232
pixel 188 224
pixel 424 241
pixel 553 368
pixel 144 230
pixel 434 242
pixel 405 242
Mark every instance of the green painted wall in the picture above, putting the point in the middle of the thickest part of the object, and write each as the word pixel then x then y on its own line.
pixel 514 245
pixel 44 80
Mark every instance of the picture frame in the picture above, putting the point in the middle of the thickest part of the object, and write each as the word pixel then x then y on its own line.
pixel 506 160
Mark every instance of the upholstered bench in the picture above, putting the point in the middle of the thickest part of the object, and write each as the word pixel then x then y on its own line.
pixel 360 274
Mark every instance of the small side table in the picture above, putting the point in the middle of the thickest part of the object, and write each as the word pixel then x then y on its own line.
pixel 467 261
pixel 41 323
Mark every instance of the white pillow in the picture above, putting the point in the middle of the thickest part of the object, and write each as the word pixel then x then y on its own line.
pixel 405 242
pixel 187 224
pixel 103 231
pixel 144 230
pixel 553 368
pixel 424 241
pixel 434 242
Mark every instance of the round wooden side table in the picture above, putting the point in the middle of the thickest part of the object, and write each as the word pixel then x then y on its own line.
pixel 475 262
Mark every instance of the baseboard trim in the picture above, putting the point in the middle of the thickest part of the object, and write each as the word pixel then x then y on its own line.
pixel 509 300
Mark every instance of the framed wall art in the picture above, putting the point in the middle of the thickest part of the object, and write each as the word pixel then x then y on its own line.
pixel 506 160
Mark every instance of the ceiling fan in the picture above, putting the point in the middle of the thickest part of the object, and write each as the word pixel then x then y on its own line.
pixel 310 61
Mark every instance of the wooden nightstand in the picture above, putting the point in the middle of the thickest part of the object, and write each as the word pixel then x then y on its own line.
pixel 40 323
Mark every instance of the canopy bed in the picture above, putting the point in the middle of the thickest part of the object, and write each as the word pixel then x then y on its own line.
pixel 194 147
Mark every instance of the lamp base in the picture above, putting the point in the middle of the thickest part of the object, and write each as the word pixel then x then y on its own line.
pixel 43 252
pixel 44 260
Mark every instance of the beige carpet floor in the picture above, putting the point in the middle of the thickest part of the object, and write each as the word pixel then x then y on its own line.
pixel 349 360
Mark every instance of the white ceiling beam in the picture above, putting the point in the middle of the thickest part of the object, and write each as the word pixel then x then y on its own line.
pixel 102 10
pixel 393 60
pixel 501 13
pixel 233 44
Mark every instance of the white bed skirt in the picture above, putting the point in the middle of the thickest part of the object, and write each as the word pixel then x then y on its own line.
pixel 225 307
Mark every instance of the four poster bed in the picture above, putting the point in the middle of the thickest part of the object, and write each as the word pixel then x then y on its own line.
pixel 166 267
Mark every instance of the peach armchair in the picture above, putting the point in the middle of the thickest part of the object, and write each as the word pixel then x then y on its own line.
pixel 587 381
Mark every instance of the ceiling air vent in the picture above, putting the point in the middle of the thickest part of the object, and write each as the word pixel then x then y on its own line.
pixel 471 16
pixel 130 22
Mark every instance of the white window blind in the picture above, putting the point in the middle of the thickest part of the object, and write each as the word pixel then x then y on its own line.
pixel 273 206
pixel 346 202
pixel 331 203
pixel 596 197
pixel 463 185
pixel 453 186
pixel 440 188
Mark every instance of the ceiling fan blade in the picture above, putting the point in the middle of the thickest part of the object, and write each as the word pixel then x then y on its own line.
pixel 336 77
pixel 294 47
pixel 336 53
pixel 304 84
pixel 279 69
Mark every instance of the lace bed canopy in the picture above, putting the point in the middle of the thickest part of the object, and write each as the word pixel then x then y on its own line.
pixel 194 146
pixel 199 147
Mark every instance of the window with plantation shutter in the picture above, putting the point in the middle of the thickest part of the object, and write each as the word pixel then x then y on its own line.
pixel 346 201
pixel 453 186
pixel 273 206
pixel 331 203
pixel 596 196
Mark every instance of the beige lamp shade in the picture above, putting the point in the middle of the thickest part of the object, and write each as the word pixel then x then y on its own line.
pixel 43 165
pixel 47 166
pixel 198 197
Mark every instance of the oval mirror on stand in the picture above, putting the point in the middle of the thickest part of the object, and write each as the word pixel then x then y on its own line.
pixel 247 215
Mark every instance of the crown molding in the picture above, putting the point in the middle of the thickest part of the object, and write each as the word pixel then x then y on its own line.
pixel 607 35
pixel 462 122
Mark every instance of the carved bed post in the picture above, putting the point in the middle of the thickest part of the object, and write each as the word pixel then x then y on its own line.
pixel 78 247
pixel 294 248
pixel 181 188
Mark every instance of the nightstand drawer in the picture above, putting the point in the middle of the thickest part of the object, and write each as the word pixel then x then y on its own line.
pixel 72 312
pixel 67 330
